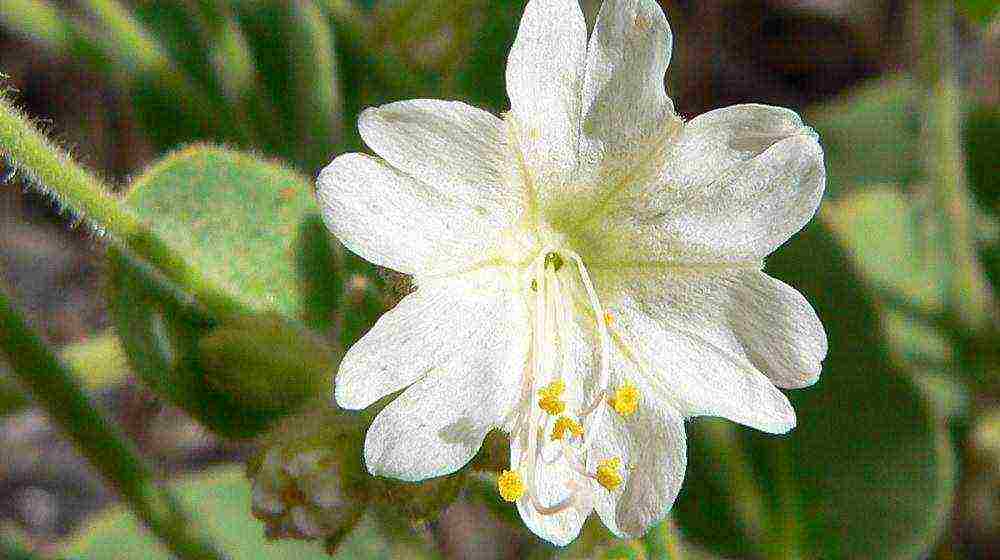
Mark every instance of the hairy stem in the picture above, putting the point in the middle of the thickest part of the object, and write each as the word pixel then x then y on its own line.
pixel 76 190
pixel 55 389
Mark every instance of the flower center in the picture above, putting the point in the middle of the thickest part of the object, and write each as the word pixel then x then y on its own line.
pixel 553 423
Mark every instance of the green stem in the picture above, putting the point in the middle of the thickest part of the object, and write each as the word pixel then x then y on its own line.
pixel 787 530
pixel 747 497
pixel 968 290
pixel 132 46
pixel 73 188
pixel 56 390
pixel 314 75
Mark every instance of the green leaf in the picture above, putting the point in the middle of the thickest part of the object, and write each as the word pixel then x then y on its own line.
pixel 895 246
pixel 222 499
pixel 236 217
pixel 252 229
pixel 867 473
pixel 870 136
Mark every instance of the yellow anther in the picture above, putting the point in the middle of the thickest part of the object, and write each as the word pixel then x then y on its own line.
pixel 566 424
pixel 554 389
pixel 609 319
pixel 555 261
pixel 625 401
pixel 607 473
pixel 550 401
pixel 552 405
pixel 511 486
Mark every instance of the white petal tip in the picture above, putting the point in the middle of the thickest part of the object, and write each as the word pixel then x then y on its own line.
pixel 345 399
pixel 785 425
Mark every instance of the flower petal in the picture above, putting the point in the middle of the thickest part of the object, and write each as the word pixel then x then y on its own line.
pixel 625 104
pixel 544 77
pixel 652 445
pixel 458 149
pixel 552 483
pixel 437 425
pixel 394 221
pixel 779 330
pixel 736 185
pixel 423 332
pixel 745 313
pixel 664 337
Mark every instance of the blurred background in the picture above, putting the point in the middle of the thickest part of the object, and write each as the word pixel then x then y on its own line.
pixel 898 450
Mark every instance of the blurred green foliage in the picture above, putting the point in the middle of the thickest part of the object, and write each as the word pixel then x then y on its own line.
pixel 982 11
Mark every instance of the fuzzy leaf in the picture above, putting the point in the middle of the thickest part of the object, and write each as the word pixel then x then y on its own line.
pixel 252 229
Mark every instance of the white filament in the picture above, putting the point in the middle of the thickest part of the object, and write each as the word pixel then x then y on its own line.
pixel 558 316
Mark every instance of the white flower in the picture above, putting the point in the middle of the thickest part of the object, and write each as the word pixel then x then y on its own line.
pixel 589 272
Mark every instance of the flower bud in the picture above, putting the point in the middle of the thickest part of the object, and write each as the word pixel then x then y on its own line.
pixel 267 362
pixel 308 480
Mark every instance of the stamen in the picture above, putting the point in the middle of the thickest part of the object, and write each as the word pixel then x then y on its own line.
pixel 511 486
pixel 602 325
pixel 550 401
pixel 607 473
pixel 554 260
pixel 566 424
pixel 552 510
pixel 625 401
pixel 536 368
